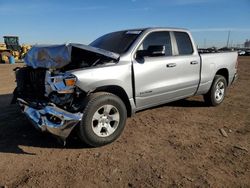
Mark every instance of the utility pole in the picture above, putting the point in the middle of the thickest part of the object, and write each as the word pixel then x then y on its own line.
pixel 228 38
pixel 232 44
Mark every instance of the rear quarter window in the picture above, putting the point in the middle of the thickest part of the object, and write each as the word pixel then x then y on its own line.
pixel 184 43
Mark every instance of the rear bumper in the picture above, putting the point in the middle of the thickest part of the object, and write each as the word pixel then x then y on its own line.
pixel 50 118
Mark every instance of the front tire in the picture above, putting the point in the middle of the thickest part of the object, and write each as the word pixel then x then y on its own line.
pixel 217 92
pixel 104 118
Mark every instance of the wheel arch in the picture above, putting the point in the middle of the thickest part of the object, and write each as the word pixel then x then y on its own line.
pixel 118 91
pixel 223 72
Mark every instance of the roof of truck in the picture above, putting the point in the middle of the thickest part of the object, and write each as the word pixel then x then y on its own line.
pixel 157 28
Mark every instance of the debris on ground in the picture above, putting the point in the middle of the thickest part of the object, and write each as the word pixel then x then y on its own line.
pixel 241 147
pixel 223 132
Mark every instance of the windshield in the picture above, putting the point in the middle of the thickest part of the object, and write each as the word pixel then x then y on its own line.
pixel 118 42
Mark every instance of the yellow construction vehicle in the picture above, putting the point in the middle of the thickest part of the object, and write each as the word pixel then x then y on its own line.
pixel 11 47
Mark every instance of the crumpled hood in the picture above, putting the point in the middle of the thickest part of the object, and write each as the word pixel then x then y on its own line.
pixel 57 56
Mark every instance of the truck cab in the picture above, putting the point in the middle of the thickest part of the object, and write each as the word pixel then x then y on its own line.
pixel 166 66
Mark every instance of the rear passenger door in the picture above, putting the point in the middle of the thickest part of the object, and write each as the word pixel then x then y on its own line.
pixel 167 77
pixel 187 65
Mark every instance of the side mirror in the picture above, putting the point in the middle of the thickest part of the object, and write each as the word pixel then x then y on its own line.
pixel 156 50
pixel 140 54
pixel 152 51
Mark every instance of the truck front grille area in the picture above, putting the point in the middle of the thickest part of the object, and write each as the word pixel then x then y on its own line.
pixel 30 83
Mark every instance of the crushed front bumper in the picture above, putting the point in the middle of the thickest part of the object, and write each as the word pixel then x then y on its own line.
pixel 50 118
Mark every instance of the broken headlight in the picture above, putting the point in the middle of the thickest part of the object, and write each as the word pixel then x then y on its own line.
pixel 70 80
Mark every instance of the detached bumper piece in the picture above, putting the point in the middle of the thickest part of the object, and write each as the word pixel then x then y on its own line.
pixel 50 118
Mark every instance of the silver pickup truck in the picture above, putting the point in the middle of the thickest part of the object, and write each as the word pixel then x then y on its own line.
pixel 94 88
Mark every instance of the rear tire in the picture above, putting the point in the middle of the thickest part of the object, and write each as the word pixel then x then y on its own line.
pixel 104 118
pixel 217 92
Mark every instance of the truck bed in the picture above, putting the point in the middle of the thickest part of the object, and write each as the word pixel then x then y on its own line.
pixel 211 62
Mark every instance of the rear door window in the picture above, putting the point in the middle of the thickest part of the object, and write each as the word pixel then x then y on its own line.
pixel 184 43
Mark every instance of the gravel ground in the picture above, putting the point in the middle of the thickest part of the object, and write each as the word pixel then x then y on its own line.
pixel 174 145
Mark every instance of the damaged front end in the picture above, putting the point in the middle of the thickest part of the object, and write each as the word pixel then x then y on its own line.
pixel 50 118
pixel 50 100
pixel 46 90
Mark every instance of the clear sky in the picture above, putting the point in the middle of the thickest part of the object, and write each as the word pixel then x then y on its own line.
pixel 60 21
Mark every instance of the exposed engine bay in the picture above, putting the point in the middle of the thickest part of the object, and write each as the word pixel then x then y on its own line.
pixel 47 92
pixel 46 78
pixel 44 86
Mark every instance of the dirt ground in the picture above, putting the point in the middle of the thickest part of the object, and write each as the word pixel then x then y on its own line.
pixel 174 145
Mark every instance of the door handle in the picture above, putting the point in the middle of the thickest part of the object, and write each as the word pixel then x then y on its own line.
pixel 193 62
pixel 170 65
